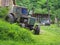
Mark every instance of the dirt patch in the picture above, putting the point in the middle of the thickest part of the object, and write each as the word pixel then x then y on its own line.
pixel 42 31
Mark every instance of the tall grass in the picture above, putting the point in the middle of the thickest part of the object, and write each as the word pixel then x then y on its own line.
pixel 53 28
pixel 14 32
pixel 4 11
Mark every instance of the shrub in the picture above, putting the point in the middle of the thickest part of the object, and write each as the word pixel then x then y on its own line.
pixel 14 32
pixel 4 11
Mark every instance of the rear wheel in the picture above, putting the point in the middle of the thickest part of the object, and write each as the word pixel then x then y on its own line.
pixel 10 18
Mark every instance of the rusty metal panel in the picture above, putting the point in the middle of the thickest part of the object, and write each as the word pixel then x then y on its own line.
pixel 6 2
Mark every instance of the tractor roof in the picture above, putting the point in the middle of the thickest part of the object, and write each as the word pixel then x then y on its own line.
pixel 19 6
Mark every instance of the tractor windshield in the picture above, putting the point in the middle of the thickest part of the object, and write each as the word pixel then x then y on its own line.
pixel 32 21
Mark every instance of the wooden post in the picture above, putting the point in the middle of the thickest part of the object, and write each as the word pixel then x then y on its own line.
pixel 0 2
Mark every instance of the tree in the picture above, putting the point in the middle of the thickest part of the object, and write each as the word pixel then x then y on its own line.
pixel 40 6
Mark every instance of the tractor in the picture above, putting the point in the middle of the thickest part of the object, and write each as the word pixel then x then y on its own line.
pixel 21 15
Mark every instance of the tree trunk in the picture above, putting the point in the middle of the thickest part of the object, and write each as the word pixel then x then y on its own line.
pixel 56 20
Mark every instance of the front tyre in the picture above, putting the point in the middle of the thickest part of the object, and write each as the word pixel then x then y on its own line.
pixel 37 30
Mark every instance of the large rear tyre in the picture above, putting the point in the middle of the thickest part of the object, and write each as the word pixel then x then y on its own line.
pixel 10 18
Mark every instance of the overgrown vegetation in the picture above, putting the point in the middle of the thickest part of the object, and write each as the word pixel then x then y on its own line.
pixel 3 11
pixel 14 32
pixel 53 28
pixel 41 6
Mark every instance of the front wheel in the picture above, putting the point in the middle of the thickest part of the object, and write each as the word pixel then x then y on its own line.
pixel 37 30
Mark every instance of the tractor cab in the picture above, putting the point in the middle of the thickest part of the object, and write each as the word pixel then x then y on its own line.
pixel 20 11
pixel 15 13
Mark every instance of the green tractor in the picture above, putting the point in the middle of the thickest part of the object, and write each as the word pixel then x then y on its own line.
pixel 20 15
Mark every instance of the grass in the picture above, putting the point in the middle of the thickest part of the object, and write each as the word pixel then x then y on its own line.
pixel 53 29
pixel 14 32
pixel 46 38
pixel 49 35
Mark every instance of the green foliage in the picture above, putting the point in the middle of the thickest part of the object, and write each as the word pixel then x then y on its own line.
pixel 57 12
pixel 4 11
pixel 14 32
pixel 40 6
pixel 53 29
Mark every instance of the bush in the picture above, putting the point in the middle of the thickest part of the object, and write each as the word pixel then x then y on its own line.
pixel 14 32
pixel 4 11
